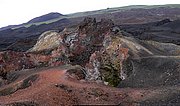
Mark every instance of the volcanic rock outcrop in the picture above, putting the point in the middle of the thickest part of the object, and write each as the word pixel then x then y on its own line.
pixel 84 46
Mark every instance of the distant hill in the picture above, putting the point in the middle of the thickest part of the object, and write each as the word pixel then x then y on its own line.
pixel 40 19
pixel 128 14
pixel 45 17
pixel 8 27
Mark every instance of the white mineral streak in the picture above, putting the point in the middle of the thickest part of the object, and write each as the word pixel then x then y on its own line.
pixel 47 40
pixel 93 73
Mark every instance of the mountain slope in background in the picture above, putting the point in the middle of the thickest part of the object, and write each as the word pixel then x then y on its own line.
pixel 162 31
pixel 40 19
pixel 45 17
pixel 127 14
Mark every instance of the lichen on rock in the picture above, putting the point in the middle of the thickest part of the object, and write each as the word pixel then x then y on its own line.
pixel 47 40
pixel 107 64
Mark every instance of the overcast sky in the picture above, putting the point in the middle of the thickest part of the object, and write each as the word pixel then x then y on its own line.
pixel 20 11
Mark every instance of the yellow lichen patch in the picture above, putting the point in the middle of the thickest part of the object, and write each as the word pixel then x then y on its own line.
pixel 47 40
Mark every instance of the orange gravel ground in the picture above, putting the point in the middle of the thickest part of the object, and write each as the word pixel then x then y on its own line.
pixel 45 92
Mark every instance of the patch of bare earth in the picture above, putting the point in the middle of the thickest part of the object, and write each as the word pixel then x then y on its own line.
pixel 54 87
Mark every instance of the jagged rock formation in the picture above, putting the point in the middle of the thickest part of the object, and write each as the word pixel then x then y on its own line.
pixel 82 44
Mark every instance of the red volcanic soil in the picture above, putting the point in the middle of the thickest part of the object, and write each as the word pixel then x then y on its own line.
pixel 55 87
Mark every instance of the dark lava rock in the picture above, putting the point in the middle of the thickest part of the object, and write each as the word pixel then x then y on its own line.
pixel 163 22
pixel 21 85
pixel 64 87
